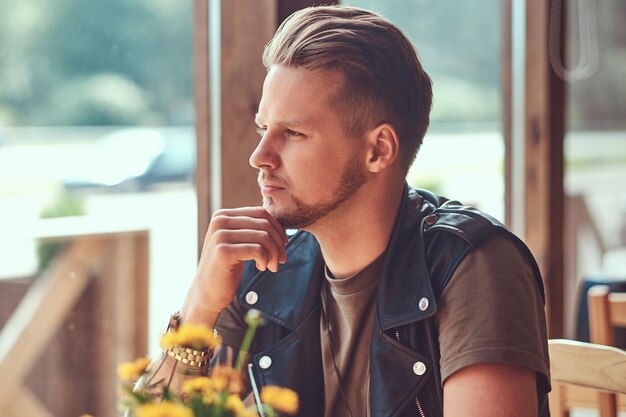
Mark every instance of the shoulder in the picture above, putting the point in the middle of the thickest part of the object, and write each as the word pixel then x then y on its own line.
pixel 453 232
pixel 468 223
pixel 492 311
pixel 450 232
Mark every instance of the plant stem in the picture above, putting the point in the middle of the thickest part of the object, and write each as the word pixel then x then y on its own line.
pixel 245 346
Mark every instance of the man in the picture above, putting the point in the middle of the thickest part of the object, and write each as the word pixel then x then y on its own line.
pixel 383 303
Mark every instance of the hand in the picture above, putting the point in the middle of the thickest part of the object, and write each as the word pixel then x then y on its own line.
pixel 234 236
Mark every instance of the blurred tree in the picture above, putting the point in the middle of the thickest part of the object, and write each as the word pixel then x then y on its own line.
pixel 47 46
pixel 132 55
pixel 459 44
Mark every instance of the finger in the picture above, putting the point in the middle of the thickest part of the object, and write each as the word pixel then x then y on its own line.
pixel 242 252
pixel 221 220
pixel 260 237
pixel 244 222
pixel 257 212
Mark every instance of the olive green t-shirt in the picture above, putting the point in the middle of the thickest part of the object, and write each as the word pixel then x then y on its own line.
pixel 492 312
pixel 348 307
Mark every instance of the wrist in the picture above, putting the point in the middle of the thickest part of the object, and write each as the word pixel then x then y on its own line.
pixel 199 315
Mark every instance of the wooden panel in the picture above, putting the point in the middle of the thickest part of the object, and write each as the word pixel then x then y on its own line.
pixel 201 103
pixel 26 404
pixel 544 162
pixel 579 397
pixel 588 365
pixel 600 327
pixel 140 277
pixel 11 293
pixel 617 307
pixel 507 103
pixel 121 332
pixel 601 331
pixel 42 311
pixel 76 323
pixel 246 28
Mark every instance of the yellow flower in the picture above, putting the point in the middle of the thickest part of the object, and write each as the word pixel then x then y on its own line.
pixel 86 415
pixel 234 403
pixel 196 336
pixel 168 340
pixel 226 378
pixel 130 371
pixel 248 412
pixel 164 409
pixel 282 400
pixel 198 385
pixel 211 398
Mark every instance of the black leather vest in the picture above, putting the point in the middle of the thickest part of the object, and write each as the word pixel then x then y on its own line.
pixel 430 238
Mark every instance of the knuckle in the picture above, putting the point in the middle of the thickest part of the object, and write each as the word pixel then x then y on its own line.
pixel 259 251
pixel 222 249
pixel 218 221
pixel 219 236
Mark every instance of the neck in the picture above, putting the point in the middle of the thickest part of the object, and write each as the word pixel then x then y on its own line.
pixel 357 233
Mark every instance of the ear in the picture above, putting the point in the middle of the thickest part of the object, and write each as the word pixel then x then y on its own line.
pixel 382 148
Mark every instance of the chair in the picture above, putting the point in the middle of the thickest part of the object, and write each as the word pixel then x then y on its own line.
pixel 589 365
pixel 606 311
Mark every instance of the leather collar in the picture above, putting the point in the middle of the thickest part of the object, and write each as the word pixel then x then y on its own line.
pixel 289 295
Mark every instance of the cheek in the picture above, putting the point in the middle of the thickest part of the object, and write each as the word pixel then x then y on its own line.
pixel 315 176
pixel 302 166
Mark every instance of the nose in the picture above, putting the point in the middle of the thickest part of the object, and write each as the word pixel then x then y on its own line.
pixel 265 155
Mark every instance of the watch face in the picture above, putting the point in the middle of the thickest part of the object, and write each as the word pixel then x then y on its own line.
pixel 174 321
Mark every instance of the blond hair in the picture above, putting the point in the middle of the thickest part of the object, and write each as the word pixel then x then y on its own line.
pixel 383 79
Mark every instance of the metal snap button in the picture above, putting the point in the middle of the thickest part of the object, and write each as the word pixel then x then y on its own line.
pixel 419 368
pixel 265 362
pixel 252 297
pixel 430 220
pixel 423 304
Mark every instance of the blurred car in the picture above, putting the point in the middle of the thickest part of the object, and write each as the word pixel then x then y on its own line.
pixel 136 159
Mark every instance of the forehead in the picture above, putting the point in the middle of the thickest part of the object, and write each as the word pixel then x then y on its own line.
pixel 291 93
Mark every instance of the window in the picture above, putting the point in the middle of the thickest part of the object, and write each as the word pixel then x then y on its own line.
pixel 97 137
pixel 595 148
pixel 459 45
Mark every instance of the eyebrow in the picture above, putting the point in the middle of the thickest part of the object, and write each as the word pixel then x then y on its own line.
pixel 289 123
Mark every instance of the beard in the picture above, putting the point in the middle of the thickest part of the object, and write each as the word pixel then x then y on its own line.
pixel 304 215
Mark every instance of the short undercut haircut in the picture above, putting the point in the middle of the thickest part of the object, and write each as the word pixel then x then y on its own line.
pixel 382 78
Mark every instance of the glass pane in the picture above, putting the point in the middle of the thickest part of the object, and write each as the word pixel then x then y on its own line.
pixel 595 153
pixel 463 153
pixel 96 145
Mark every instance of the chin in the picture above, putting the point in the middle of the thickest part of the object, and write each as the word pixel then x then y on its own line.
pixel 289 219
pixel 274 209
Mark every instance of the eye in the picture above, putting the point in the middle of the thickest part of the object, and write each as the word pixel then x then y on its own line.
pixel 261 131
pixel 292 133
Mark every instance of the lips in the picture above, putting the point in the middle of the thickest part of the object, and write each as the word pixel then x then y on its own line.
pixel 274 186
pixel 271 181
pixel 270 184
pixel 270 188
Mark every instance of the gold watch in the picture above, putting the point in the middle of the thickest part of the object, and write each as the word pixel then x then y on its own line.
pixel 188 356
